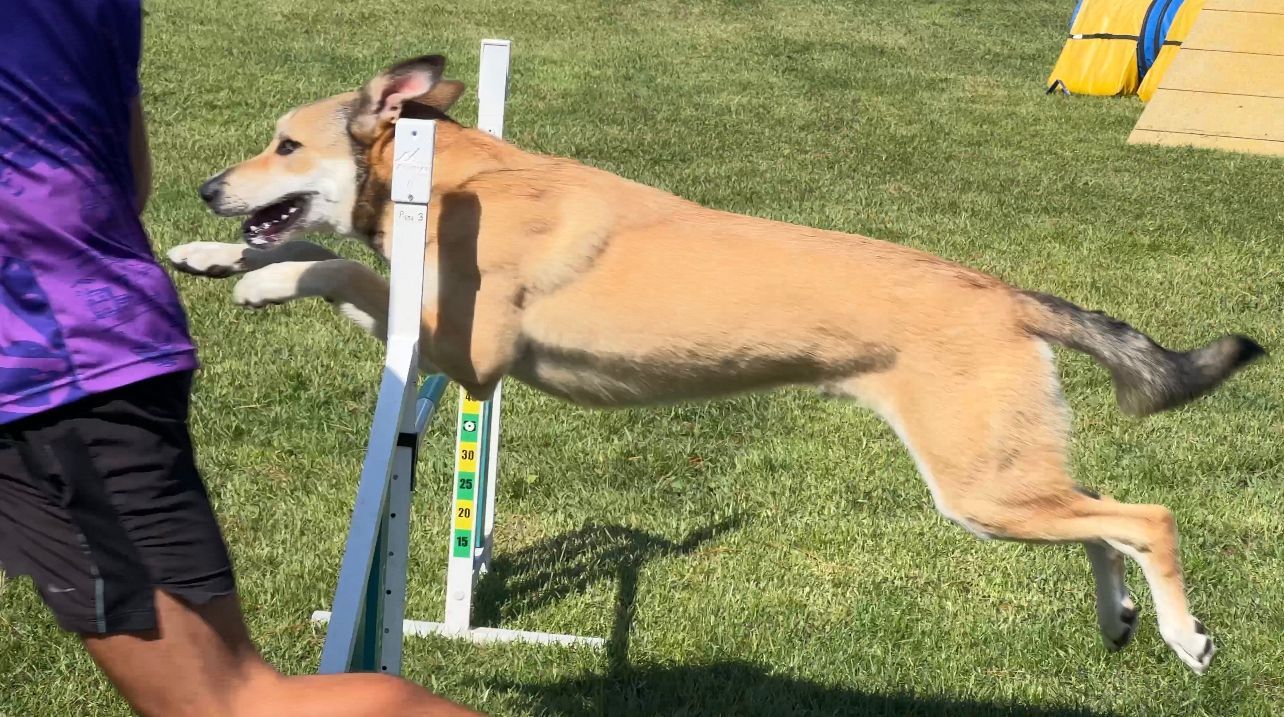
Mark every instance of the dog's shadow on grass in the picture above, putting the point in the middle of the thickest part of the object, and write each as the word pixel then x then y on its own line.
pixel 568 564
pixel 553 569
pixel 740 689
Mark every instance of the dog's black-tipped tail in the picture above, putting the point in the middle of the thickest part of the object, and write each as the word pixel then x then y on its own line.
pixel 1148 378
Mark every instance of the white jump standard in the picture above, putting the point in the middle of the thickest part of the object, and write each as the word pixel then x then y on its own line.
pixel 369 601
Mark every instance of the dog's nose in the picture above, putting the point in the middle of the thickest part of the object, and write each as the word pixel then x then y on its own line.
pixel 211 189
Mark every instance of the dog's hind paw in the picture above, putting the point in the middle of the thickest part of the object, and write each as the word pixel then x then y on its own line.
pixel 1118 632
pixel 1193 645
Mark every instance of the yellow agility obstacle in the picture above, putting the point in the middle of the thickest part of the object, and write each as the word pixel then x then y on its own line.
pixel 1225 88
pixel 1100 56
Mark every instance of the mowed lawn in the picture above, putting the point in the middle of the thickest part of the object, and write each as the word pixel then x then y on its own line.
pixel 772 554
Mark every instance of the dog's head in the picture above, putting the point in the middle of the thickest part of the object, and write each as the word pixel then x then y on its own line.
pixel 311 174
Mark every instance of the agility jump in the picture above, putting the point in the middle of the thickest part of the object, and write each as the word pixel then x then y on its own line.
pixel 369 602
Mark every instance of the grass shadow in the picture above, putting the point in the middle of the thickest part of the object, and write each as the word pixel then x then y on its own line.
pixel 746 690
pixel 526 580
pixel 569 563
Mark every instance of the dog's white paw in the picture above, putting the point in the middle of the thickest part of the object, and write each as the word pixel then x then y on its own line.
pixel 273 284
pixel 1118 627
pixel 1192 644
pixel 209 258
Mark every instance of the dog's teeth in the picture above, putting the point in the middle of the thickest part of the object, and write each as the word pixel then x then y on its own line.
pixel 293 210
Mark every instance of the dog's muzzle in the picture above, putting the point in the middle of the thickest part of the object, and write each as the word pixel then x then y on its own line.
pixel 211 191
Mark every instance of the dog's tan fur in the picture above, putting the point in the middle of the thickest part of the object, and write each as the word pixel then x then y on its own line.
pixel 606 292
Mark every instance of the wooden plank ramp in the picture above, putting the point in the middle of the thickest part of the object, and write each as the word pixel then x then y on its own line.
pixel 1225 88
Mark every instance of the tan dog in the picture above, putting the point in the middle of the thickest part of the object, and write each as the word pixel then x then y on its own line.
pixel 609 293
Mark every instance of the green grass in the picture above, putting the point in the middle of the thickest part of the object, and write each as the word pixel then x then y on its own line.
pixel 772 554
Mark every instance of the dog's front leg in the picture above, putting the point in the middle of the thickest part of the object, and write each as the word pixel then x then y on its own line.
pixel 353 288
pixel 220 259
pixel 476 332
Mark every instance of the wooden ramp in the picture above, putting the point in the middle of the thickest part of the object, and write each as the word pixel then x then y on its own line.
pixel 1225 88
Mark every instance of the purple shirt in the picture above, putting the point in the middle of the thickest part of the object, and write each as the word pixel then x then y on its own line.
pixel 84 306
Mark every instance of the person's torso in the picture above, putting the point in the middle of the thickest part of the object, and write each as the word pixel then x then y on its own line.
pixel 84 306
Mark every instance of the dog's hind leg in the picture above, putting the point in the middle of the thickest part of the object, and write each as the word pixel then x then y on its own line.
pixel 1116 612
pixel 989 434
pixel 1148 535
pixel 221 259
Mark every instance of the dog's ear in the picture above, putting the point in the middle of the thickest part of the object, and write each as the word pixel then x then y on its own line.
pixel 380 101
pixel 443 96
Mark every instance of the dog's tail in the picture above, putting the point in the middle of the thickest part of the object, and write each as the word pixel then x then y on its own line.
pixel 1148 378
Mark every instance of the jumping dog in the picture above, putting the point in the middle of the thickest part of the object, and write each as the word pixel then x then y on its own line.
pixel 606 292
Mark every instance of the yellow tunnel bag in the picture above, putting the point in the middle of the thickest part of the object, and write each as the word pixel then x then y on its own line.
pixel 1100 57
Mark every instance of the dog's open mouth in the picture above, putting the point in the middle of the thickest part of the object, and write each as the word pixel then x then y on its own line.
pixel 267 225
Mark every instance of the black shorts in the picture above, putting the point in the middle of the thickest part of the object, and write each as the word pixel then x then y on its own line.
pixel 101 504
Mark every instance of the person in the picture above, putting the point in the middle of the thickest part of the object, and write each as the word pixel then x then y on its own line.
pixel 101 503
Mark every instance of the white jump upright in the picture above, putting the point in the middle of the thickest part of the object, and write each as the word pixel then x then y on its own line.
pixel 369 602
pixel 492 97
pixel 472 512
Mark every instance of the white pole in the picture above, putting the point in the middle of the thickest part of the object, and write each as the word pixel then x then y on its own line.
pixel 477 438
pixel 492 85
pixel 492 97
pixel 463 518
pixel 414 144
pixel 395 414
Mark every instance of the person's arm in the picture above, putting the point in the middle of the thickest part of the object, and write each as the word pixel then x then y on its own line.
pixel 140 155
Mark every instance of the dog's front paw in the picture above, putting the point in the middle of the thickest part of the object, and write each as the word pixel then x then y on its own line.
pixel 209 258
pixel 273 284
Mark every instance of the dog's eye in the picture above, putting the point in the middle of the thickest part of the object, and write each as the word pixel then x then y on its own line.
pixel 287 146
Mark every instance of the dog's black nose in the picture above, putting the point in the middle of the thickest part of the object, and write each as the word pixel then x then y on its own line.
pixel 211 189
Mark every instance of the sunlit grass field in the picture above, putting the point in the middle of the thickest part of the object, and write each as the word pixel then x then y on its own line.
pixel 772 554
